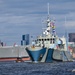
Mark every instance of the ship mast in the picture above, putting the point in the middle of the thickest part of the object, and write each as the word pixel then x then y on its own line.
pixel 48 9
pixel 48 29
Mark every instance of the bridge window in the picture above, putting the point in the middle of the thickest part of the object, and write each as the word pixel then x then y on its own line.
pixel 39 39
pixel 51 41
pixel 47 39
pixel 42 39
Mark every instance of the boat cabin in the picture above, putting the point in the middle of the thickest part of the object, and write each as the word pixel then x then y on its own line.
pixel 45 41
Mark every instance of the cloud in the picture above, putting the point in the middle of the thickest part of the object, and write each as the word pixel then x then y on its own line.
pixel 70 20
pixel 70 24
pixel 18 17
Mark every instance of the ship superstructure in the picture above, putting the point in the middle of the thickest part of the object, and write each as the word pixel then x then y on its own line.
pixel 49 36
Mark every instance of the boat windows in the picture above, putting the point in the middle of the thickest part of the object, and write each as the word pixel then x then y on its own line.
pixel 42 39
pixel 39 39
pixel 47 39
pixel 53 40
pixel 50 40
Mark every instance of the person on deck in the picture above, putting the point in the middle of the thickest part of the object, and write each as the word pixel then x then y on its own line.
pixel 33 43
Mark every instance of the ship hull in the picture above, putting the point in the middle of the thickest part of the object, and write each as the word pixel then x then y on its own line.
pixel 49 57
pixel 8 53
pixel 37 54
pixel 62 55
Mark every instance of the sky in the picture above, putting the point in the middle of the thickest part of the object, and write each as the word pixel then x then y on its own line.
pixel 18 17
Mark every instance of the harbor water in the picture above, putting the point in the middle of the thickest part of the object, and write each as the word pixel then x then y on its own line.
pixel 29 68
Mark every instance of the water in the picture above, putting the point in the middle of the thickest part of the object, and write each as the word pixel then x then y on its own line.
pixel 24 68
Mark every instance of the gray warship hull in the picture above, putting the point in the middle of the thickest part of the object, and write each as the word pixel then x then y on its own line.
pixel 13 52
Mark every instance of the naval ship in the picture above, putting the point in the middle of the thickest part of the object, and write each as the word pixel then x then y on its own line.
pixel 48 46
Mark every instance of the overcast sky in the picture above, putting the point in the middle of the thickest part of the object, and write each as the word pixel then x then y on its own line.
pixel 18 17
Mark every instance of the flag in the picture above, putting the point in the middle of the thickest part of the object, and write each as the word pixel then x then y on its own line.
pixel 53 27
pixel 53 30
pixel 52 23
